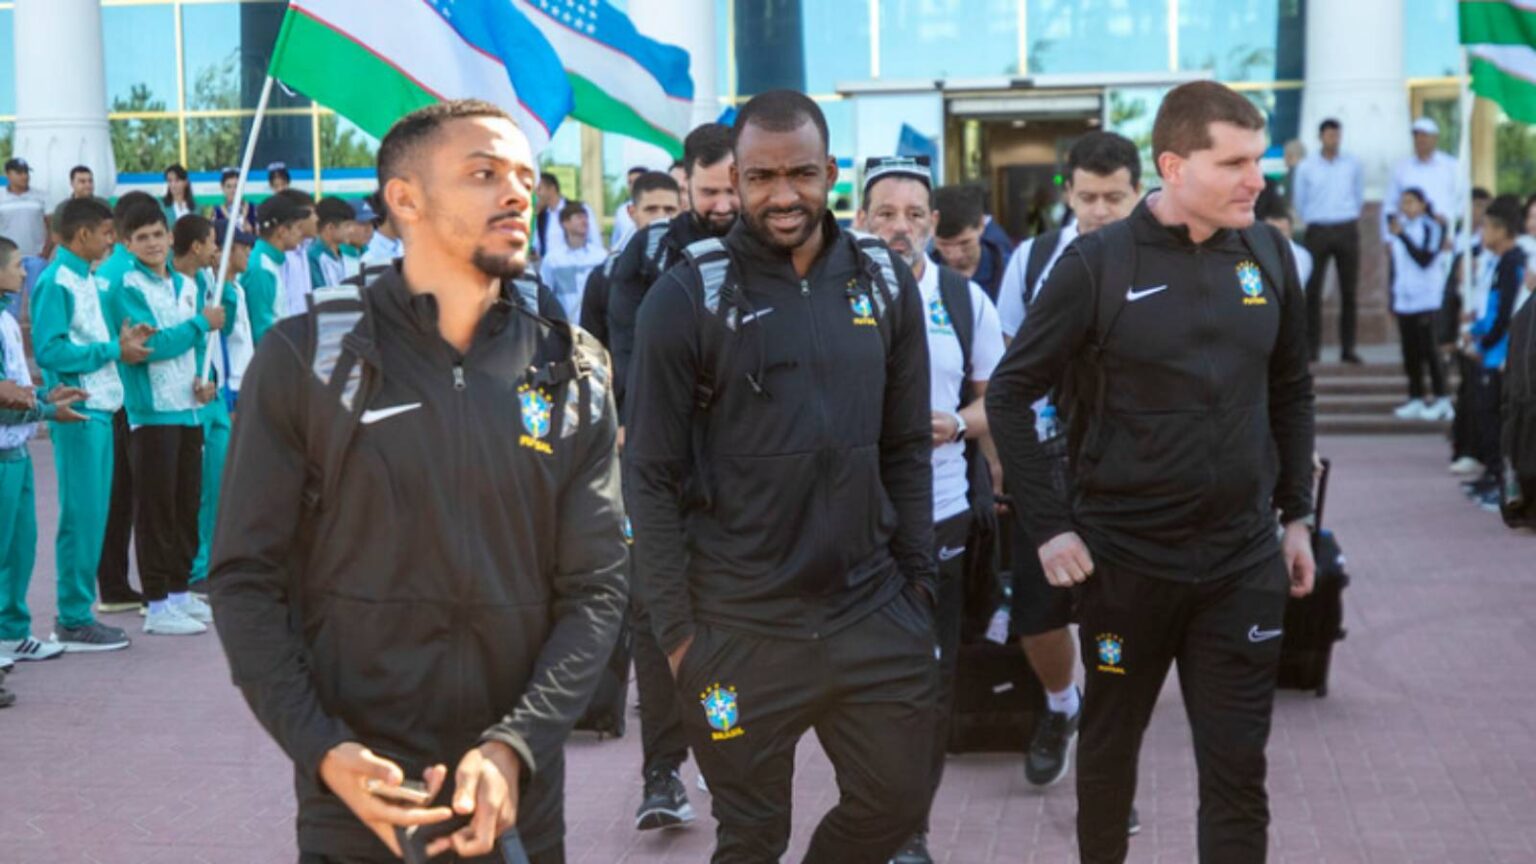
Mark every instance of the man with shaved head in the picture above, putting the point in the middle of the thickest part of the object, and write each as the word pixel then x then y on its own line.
pixel 421 577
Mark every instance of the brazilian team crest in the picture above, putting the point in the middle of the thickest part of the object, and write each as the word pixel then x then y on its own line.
pixel 1251 280
pixel 1111 654
pixel 938 315
pixel 535 406
pixel 629 532
pixel 721 712
pixel 863 310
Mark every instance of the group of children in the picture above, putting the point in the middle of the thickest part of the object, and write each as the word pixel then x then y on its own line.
pixel 123 322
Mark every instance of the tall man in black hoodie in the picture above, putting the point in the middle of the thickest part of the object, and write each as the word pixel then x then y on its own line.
pixel 1191 427
pixel 418 568
pixel 779 481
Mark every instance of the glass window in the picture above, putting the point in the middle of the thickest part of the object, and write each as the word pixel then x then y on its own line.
pixel 140 57
pixel 942 38
pixel 836 44
pixel 1430 44
pixel 839 113
pixel 144 146
pixel 1097 36
pixel 216 143
pixel 228 48
pixel 1235 39
pixel 7 62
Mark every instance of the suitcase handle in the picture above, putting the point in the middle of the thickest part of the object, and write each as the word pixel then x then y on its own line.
pixel 1322 493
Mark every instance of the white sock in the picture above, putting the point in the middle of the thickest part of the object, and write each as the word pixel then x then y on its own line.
pixel 158 606
pixel 178 599
pixel 1066 702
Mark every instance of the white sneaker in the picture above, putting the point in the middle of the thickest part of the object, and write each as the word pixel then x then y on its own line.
pixel 27 648
pixel 6 665
pixel 1440 409
pixel 171 622
pixel 1413 409
pixel 1466 466
pixel 196 609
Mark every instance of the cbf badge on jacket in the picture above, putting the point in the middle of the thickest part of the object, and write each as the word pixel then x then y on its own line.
pixel 535 406
pixel 721 712
pixel 863 311
pixel 1251 280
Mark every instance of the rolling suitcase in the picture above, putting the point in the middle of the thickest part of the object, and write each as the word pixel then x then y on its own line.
pixel 1313 623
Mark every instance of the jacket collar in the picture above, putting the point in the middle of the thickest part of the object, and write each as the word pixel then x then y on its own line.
pixel 1145 226
pixel 747 244
pixel 417 313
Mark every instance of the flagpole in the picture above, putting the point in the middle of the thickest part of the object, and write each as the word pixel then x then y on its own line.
pixel 238 213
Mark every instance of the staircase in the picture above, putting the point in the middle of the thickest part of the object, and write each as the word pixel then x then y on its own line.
pixel 1359 400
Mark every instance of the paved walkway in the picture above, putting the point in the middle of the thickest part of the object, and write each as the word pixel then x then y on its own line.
pixel 1424 751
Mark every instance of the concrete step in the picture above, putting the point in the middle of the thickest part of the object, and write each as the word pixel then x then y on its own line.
pixel 1353 370
pixel 1373 424
pixel 1361 385
pixel 1381 404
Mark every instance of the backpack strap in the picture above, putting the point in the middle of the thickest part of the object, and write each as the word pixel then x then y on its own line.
pixel 878 279
pixel 955 294
pixel 344 364
pixel 1040 252
pixel 583 372
pixel 1113 249
pixel 717 301
pixel 1263 242
pixel 655 255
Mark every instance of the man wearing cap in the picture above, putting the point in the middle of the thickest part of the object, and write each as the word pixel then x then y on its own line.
pixel 897 207
pixel 24 219
pixel 1328 193
pixel 1430 169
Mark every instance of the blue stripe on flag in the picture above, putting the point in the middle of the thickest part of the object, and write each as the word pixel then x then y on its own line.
pixel 601 22
pixel 537 75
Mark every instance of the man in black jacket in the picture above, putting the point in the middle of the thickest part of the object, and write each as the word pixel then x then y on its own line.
pixel 712 208
pixel 1192 425
pixel 779 481
pixel 654 197
pixel 419 560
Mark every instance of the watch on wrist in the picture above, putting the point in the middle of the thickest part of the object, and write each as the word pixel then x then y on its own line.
pixel 960 427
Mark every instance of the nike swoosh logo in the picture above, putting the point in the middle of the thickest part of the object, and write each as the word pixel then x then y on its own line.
pixel 761 313
pixel 947 554
pixel 1257 635
pixel 1132 295
pixel 375 415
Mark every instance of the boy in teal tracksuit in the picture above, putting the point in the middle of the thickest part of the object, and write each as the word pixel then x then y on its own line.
pixel 330 258
pixel 195 254
pixel 162 398
pixel 279 220
pixel 18 509
pixel 76 347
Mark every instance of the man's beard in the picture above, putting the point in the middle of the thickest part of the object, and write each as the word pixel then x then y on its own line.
pixel 713 228
pixel 499 266
pixel 759 226
pixel 914 249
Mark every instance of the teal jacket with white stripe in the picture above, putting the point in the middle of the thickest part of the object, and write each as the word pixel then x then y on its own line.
pixel 159 392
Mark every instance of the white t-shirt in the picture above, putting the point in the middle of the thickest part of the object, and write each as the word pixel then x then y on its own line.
pixel 1303 261
pixel 1011 293
pixel 946 368
pixel 383 250
pixel 623 226
pixel 565 271
pixel 21 219
pixel 296 279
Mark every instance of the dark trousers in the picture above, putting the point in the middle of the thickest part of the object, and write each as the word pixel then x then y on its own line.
pixel 949 537
pixel 1464 427
pixel 1417 332
pixel 168 476
pixel 663 744
pixel 549 856
pixel 869 692
pixel 1487 408
pixel 1225 635
pixel 112 569
pixel 1340 243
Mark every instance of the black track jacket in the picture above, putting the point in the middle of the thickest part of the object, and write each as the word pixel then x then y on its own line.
pixel 466 581
pixel 1208 412
pixel 822 485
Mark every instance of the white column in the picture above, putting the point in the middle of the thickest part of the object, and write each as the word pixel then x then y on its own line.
pixel 1355 74
pixel 61 94
pixel 690 25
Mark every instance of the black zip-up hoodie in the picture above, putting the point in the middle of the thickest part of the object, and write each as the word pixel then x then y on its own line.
pixel 821 485
pixel 628 282
pixel 1208 412
pixel 464 583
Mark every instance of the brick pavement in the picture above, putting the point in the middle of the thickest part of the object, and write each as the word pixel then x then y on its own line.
pixel 1422 753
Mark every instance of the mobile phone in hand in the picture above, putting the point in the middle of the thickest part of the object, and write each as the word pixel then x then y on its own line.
pixel 410 792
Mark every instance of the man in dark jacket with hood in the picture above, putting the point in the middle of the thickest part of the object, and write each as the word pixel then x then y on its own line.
pixel 418 569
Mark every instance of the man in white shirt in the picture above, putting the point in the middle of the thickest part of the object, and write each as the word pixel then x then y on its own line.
pixel 24 219
pixel 568 264
pixel 547 236
pixel 624 217
pixel 1328 194
pixel 1431 170
pixel 898 208
pixel 385 245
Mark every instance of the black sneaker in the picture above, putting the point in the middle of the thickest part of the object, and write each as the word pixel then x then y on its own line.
pixel 665 804
pixel 915 852
pixel 1133 827
pixel 94 636
pixel 1049 754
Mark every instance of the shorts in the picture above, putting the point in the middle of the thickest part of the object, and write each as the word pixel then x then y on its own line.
pixel 1037 605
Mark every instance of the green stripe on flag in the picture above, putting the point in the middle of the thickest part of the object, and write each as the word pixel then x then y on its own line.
pixel 1496 22
pixel 1515 94
pixel 597 109
pixel 331 68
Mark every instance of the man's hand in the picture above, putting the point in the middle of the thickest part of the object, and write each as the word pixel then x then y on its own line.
pixel 675 659
pixel 63 400
pixel 346 770
pixel 1066 560
pixel 16 397
pixel 204 391
pixel 1299 564
pixel 944 427
pixel 214 315
pixel 130 342
pixel 485 790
